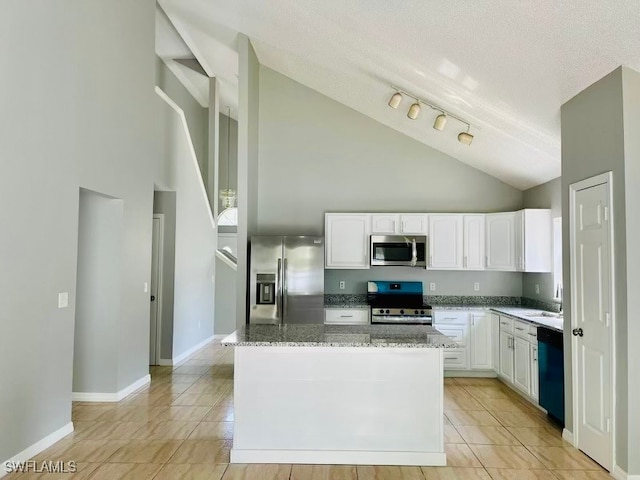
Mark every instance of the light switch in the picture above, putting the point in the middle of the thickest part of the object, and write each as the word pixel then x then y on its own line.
pixel 146 287
pixel 538 289
pixel 63 300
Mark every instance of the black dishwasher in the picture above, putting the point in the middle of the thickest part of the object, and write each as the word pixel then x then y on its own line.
pixel 551 372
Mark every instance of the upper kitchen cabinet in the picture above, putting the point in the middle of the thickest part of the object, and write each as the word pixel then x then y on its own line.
pixel 445 242
pixel 399 224
pixel 533 240
pixel 347 240
pixel 473 242
pixel 382 224
pixel 500 241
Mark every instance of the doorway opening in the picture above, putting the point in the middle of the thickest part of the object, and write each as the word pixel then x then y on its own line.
pixel 98 293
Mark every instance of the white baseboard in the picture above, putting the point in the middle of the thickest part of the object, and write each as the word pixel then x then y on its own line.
pixel 567 435
pixel 221 336
pixel 165 362
pixel 111 397
pixel 38 447
pixel 620 474
pixel 340 457
pixel 183 356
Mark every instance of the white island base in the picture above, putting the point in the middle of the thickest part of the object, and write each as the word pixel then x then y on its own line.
pixel 338 405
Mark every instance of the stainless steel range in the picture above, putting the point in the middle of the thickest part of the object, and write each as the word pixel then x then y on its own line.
pixel 398 303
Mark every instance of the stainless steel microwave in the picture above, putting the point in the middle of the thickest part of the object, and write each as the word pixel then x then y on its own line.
pixel 398 250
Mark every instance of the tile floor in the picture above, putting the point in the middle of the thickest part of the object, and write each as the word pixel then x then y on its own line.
pixel 181 427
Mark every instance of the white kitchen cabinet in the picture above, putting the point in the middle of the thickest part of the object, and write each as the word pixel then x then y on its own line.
pixel 445 242
pixel 382 224
pixel 506 356
pixel 500 242
pixel 495 341
pixel 473 242
pixel 456 326
pixel 533 240
pixel 535 382
pixel 414 224
pixel 399 224
pixel 480 339
pixel 346 316
pixel 522 365
pixel 347 240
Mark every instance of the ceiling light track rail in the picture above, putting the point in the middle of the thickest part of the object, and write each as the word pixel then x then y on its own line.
pixel 440 121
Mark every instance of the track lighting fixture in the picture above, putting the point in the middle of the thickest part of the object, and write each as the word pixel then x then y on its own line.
pixel 465 137
pixel 396 100
pixel 414 111
pixel 440 121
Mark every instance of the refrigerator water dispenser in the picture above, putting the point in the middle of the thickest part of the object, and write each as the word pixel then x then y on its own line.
pixel 266 289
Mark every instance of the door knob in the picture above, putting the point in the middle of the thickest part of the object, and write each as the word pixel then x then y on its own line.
pixel 578 332
pixel 153 297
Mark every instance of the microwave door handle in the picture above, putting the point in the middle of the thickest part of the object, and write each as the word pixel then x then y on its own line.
pixel 414 253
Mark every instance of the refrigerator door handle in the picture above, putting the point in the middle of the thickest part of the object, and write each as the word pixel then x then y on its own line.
pixel 279 290
pixel 285 289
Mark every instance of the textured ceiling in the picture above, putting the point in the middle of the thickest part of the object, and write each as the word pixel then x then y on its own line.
pixel 505 66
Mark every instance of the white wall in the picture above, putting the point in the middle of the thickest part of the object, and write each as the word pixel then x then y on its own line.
pixel 78 110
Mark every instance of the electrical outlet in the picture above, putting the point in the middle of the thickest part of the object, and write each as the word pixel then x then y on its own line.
pixel 432 286
pixel 476 287
pixel 537 289
pixel 146 287
pixel 342 284
pixel 63 300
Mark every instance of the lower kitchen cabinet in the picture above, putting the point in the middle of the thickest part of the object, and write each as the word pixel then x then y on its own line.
pixel 535 381
pixel 522 365
pixel 456 326
pixel 480 341
pixel 519 356
pixel 346 316
pixel 506 356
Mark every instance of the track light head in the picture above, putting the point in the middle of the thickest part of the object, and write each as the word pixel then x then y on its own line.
pixel 414 111
pixel 465 137
pixel 441 121
pixel 396 100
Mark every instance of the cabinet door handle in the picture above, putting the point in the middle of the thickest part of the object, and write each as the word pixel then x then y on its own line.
pixel 431 260
pixel 346 316
pixel 532 334
pixel 465 262
pixel 519 328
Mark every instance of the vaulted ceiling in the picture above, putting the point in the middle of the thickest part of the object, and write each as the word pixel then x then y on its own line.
pixel 505 66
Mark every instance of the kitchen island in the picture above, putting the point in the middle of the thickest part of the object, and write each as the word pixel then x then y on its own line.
pixel 335 394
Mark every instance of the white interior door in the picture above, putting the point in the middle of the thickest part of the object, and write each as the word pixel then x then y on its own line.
pixel 591 320
pixel 155 313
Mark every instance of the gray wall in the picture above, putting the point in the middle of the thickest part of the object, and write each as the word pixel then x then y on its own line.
pixel 447 283
pixel 547 195
pixel 631 102
pixel 248 128
pixel 317 156
pixel 165 203
pixel 593 142
pixel 225 298
pixel 78 110
pixel 99 302
pixel 195 238
pixel 196 114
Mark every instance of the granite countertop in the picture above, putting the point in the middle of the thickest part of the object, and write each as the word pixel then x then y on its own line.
pixel 314 335
pixel 531 315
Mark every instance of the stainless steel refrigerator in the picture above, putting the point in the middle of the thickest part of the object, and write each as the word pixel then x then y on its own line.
pixel 286 280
